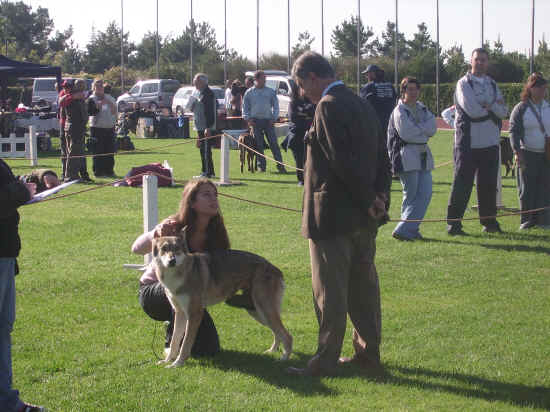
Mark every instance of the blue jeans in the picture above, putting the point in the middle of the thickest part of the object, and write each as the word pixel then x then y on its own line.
pixel 265 126
pixel 9 398
pixel 417 193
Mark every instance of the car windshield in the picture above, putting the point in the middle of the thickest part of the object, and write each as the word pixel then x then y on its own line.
pixel 44 85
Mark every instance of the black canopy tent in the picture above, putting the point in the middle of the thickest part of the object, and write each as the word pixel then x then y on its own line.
pixel 11 69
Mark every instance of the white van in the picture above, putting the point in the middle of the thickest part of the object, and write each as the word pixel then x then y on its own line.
pixel 44 89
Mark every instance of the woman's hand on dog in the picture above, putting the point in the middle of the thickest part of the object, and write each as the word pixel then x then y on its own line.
pixel 167 227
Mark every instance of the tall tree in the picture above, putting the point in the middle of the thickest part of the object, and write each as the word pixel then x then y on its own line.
pixel 144 55
pixel 421 41
pixel 304 44
pixel 385 46
pixel 103 50
pixel 28 29
pixel 455 63
pixel 344 38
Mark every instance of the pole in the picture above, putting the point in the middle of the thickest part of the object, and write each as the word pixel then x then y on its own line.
pixel 191 29
pixel 122 45
pixel 288 24
pixel 257 34
pixel 32 146
pixel 358 46
pixel 322 28
pixel 225 42
pixel 532 63
pixel 157 42
pixel 437 62
pixel 395 63
pixel 150 206
pixel 482 24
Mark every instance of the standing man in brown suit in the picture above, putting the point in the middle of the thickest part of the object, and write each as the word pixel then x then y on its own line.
pixel 347 179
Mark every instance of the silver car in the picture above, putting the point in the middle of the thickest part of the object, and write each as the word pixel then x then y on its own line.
pixel 151 94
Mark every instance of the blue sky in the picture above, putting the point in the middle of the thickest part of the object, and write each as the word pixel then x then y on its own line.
pixel 459 20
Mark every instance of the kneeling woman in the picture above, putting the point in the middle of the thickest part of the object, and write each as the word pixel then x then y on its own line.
pixel 411 126
pixel 199 211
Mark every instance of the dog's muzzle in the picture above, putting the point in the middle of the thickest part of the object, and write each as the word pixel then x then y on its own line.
pixel 172 262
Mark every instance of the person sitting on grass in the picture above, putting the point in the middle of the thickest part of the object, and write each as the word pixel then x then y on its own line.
pixel 43 179
pixel 199 212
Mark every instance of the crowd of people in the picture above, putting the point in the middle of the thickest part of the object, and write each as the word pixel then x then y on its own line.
pixel 349 146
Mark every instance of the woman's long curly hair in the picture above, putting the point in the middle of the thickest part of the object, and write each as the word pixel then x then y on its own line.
pixel 216 234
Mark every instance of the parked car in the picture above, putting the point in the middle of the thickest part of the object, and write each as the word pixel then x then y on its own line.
pixel 43 88
pixel 152 94
pixel 181 98
pixel 281 82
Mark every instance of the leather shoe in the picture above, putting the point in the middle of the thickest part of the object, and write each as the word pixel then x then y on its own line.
pixel 373 367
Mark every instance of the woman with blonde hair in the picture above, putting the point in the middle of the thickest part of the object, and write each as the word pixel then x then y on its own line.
pixel 200 214
pixel 530 136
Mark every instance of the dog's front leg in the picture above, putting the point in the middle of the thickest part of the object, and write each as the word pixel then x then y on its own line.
pixel 180 322
pixel 193 322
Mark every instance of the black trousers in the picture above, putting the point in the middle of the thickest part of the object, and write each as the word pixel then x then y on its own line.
pixel 467 162
pixel 534 187
pixel 103 165
pixel 206 154
pixel 298 151
pixel 156 305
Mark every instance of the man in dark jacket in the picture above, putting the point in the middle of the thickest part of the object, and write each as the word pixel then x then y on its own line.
pixel 203 104
pixel 13 193
pixel 380 94
pixel 346 181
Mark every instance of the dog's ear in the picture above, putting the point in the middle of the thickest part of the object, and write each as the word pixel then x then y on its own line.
pixel 156 234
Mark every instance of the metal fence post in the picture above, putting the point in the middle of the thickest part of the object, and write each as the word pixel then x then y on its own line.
pixel 150 206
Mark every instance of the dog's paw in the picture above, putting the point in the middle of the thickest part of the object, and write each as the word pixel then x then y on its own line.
pixel 163 362
pixel 176 364
pixel 285 356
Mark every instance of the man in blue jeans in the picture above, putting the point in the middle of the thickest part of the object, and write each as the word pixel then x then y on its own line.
pixel 13 193
pixel 260 110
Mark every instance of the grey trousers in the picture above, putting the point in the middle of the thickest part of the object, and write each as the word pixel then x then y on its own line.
pixel 534 187
pixel 345 282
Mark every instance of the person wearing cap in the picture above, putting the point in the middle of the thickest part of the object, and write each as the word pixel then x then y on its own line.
pixel 380 94
pixel 261 110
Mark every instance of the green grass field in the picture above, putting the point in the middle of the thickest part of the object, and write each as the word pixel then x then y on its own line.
pixel 466 321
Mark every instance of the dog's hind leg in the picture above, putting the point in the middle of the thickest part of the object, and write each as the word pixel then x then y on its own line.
pixel 267 298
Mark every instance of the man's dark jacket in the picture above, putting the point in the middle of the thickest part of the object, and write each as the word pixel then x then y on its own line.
pixel 12 195
pixel 345 165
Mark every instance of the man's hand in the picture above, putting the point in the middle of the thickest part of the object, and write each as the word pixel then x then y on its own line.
pixel 378 208
pixel 31 187
pixel 207 132
pixel 520 160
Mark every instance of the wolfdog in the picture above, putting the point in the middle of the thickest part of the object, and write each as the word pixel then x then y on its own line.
pixel 196 280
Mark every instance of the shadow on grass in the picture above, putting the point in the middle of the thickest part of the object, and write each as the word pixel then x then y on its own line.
pixel 266 368
pixel 507 247
pixel 469 386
